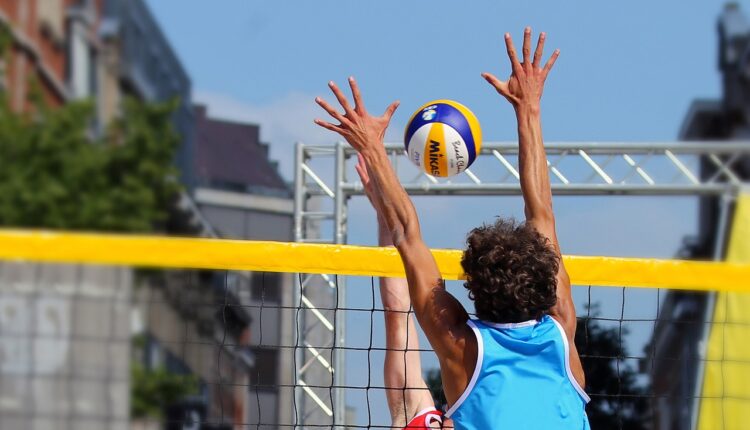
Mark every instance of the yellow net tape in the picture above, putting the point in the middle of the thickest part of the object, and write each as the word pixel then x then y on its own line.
pixel 197 253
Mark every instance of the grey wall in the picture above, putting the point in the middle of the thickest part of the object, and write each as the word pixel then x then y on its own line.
pixel 64 347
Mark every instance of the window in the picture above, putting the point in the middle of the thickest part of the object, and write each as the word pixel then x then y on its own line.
pixel 265 370
pixel 81 64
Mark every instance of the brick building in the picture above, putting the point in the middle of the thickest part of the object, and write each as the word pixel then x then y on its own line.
pixel 54 43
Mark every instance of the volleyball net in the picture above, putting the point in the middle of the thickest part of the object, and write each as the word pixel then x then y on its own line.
pixel 107 331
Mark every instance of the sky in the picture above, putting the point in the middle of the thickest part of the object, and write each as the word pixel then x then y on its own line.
pixel 628 71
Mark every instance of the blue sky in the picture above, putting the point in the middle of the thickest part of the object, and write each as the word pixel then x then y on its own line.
pixel 628 71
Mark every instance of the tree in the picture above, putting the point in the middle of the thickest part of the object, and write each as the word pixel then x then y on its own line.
pixel 435 385
pixel 55 174
pixel 618 401
pixel 151 390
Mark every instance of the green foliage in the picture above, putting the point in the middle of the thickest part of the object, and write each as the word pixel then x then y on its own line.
pixel 618 400
pixel 56 175
pixel 5 39
pixel 152 390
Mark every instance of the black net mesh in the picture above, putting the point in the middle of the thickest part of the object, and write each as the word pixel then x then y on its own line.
pixel 87 347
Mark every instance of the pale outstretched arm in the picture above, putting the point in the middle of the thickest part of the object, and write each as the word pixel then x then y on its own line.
pixel 406 391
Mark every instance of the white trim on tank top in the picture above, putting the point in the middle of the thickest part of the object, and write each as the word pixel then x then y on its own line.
pixel 477 370
pixel 512 325
pixel 572 379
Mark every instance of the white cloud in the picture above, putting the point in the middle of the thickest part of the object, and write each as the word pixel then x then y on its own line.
pixel 283 122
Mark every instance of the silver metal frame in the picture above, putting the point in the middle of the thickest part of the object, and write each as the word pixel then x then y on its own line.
pixel 323 188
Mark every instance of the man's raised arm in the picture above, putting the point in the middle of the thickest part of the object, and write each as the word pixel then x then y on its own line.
pixel 524 91
pixel 441 316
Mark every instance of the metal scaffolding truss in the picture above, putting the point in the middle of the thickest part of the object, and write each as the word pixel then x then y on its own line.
pixel 325 180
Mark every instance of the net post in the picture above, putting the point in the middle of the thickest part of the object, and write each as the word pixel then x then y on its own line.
pixel 340 319
pixel 299 202
pixel 299 189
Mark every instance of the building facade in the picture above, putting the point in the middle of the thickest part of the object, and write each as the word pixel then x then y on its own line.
pixel 64 329
pixel 183 323
pixel 101 50
pixel 52 50
pixel 138 61
pixel 200 324
pixel 231 332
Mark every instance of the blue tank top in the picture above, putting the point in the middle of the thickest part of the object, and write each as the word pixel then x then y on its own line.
pixel 522 380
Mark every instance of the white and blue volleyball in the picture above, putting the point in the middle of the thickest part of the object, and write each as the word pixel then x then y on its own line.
pixel 443 138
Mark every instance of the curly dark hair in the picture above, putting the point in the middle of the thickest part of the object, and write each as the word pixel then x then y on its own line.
pixel 511 272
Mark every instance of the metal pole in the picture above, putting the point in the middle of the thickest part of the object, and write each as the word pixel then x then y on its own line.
pixel 299 208
pixel 299 192
pixel 721 235
pixel 587 189
pixel 598 148
pixel 340 335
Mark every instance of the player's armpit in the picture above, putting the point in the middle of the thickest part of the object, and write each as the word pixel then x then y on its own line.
pixel 564 310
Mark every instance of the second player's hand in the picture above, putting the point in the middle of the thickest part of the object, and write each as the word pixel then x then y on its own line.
pixel 361 130
pixel 525 86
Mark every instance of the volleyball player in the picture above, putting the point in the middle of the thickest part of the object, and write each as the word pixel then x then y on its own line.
pixel 516 365
pixel 409 401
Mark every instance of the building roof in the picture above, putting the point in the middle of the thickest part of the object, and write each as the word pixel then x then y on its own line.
pixel 229 155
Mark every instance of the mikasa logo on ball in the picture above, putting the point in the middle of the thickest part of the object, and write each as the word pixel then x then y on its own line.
pixel 428 115
pixel 435 154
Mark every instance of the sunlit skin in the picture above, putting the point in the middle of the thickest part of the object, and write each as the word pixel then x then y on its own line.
pixel 440 314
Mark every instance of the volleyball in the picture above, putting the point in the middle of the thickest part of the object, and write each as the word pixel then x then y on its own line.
pixel 443 138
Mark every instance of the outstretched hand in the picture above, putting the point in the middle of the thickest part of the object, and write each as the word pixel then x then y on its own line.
pixel 526 82
pixel 360 129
